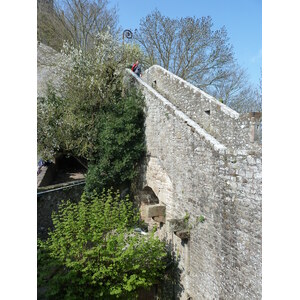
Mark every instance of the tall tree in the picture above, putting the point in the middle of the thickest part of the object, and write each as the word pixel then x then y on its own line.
pixel 85 19
pixel 75 21
pixel 188 47
pixel 191 49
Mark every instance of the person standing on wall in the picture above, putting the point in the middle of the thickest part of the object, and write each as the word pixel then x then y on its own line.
pixel 136 68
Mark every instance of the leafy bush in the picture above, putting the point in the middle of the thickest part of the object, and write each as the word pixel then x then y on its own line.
pixel 119 145
pixel 95 253
pixel 92 115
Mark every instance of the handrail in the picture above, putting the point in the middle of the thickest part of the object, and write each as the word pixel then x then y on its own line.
pixel 63 187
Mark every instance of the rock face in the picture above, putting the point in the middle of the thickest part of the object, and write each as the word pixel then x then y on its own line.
pixel 204 160
pixel 47 68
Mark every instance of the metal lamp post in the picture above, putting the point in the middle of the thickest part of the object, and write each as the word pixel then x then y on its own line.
pixel 128 34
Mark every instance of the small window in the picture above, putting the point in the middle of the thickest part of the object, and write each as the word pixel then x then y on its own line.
pixel 207 112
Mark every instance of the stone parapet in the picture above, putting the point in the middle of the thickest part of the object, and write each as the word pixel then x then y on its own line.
pixel 194 172
pixel 217 119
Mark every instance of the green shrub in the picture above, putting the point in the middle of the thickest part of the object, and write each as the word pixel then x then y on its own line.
pixel 95 253
pixel 119 146
pixel 93 116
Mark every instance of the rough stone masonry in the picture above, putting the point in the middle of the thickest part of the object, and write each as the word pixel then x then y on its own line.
pixel 204 166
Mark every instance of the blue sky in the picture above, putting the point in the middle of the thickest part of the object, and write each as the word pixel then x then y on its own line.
pixel 242 19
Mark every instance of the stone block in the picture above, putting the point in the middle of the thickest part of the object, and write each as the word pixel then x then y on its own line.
pixel 250 160
pixel 176 225
pixel 156 210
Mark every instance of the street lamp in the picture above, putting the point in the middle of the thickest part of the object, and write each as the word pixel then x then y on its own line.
pixel 128 34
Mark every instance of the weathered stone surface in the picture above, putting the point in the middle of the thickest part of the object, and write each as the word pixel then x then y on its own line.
pixel 160 219
pixel 183 234
pixel 223 123
pixel 213 170
pixel 156 210
pixel 47 68
pixel 176 225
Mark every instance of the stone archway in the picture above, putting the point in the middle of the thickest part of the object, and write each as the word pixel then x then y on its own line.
pixel 156 194
pixel 147 198
pixel 159 181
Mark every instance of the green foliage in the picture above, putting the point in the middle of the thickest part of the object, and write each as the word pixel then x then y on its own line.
pixel 92 115
pixel 51 130
pixel 186 217
pixel 119 145
pixel 201 219
pixel 94 252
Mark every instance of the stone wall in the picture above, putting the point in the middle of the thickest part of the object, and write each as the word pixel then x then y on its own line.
pixel 49 198
pixel 203 160
pixel 226 125
pixel 195 174
pixel 47 68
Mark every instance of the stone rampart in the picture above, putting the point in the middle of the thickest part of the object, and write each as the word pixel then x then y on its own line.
pixel 226 125
pixel 202 176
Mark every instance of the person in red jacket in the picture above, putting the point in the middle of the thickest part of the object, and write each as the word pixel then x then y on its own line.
pixel 134 66
pixel 136 69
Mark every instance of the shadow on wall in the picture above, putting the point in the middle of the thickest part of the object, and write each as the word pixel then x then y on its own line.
pixel 49 200
pixel 171 288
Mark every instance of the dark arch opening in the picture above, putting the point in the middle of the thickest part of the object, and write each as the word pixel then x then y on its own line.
pixel 148 196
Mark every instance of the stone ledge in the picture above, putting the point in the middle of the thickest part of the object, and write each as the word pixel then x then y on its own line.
pixel 224 108
pixel 156 210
